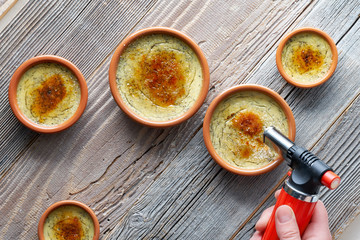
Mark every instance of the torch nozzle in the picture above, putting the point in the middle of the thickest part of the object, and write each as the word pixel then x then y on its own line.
pixel 309 171
pixel 278 139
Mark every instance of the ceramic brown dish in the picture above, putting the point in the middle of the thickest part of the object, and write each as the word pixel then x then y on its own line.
pixel 306 57
pixel 56 90
pixel 150 73
pixel 239 116
pixel 71 220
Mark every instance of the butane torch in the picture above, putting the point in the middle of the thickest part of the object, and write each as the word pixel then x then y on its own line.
pixel 301 188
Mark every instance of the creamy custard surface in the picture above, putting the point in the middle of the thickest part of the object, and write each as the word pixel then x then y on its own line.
pixel 306 57
pixel 48 94
pixel 237 126
pixel 159 77
pixel 68 223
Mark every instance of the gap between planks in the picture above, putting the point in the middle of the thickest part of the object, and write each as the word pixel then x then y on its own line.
pixel 320 138
pixel 130 31
pixel 176 155
pixel 111 52
pixel 33 140
pixel 259 206
pixel 352 25
pixel 199 128
pixel 284 177
pixel 267 53
pixel 313 145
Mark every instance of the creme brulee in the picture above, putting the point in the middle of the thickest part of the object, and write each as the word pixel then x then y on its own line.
pixel 159 77
pixel 68 223
pixel 306 57
pixel 48 94
pixel 237 126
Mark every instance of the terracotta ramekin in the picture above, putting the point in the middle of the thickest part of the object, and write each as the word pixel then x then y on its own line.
pixel 206 128
pixel 333 65
pixel 114 64
pixel 13 88
pixel 64 203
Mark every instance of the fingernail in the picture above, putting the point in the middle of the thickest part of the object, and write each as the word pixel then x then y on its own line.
pixel 284 214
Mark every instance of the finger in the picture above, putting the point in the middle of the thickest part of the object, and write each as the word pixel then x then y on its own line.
pixel 263 220
pixel 265 216
pixel 277 193
pixel 257 236
pixel 285 222
pixel 318 227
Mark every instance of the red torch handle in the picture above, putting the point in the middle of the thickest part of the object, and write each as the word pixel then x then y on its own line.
pixel 303 211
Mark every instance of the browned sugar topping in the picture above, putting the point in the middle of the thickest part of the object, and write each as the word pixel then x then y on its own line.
pixel 161 77
pixel 306 59
pixel 69 229
pixel 47 96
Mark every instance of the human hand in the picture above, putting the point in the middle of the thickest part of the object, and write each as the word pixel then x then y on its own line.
pixel 287 228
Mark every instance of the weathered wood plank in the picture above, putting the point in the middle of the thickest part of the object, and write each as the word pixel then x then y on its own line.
pixel 343 203
pixel 108 161
pixel 193 199
pixel 84 32
pixel 40 24
pixel 339 147
pixel 180 143
pixel 68 163
pixel 201 215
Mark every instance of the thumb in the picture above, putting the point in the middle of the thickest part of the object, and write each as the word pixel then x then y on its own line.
pixel 286 226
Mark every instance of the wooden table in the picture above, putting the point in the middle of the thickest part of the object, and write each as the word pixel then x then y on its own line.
pixel 162 183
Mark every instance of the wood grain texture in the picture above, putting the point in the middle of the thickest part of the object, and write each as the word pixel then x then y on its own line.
pixel 5 6
pixel 343 203
pixel 339 145
pixel 202 220
pixel 154 183
pixel 67 164
pixel 84 32
pixel 31 33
